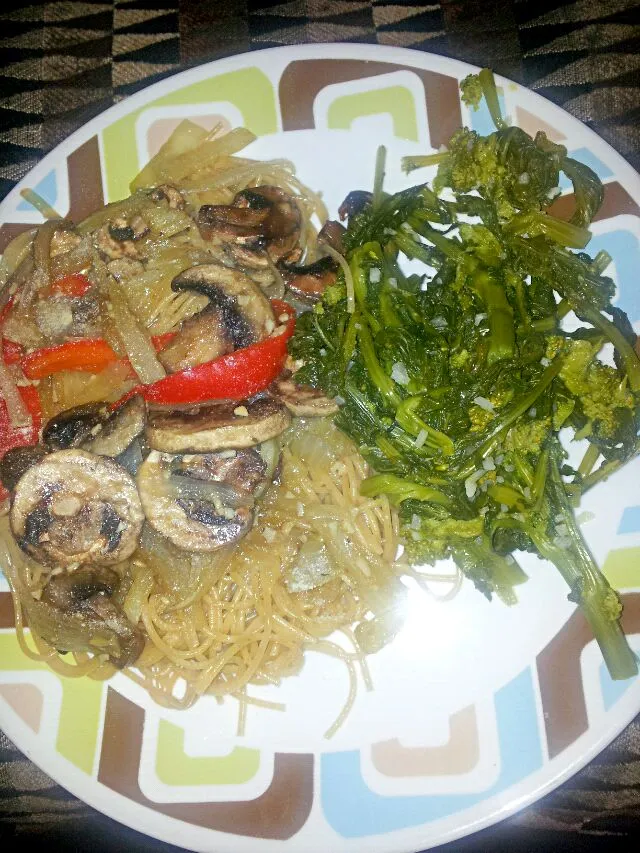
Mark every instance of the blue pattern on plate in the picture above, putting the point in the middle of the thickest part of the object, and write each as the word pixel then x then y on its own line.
pixel 612 690
pixel 481 120
pixel 584 155
pixel 624 246
pixel 47 188
pixel 630 521
pixel 354 811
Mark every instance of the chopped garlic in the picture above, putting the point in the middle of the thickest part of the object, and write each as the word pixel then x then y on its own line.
pixel 269 534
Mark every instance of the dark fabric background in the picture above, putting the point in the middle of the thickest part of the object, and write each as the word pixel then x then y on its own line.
pixel 62 63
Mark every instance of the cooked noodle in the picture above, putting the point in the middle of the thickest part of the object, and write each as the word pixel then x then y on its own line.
pixel 244 626
pixel 317 570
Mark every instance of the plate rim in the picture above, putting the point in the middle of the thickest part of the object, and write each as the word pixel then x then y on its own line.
pixel 177 80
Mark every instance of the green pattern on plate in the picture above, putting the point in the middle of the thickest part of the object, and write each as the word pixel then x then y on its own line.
pixel 248 89
pixel 80 709
pixel 396 101
pixel 175 767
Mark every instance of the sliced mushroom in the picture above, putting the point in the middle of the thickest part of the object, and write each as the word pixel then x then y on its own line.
pixel 201 338
pixel 217 426
pixel 109 618
pixel 354 203
pixel 244 309
pixel 303 400
pixel 76 612
pixel 310 281
pixel 253 199
pixel 165 192
pixel 16 461
pixel 242 470
pixel 67 316
pixel 195 519
pixel 260 227
pixel 115 433
pixel 69 590
pixel 332 233
pixel 282 226
pixel 131 458
pixel 117 239
pixel 74 426
pixel 76 507
pixel 232 225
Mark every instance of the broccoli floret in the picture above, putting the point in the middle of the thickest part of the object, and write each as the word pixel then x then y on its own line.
pixel 528 436
pixel 597 386
pixel 480 418
pixel 473 164
pixel 471 91
pixel 483 243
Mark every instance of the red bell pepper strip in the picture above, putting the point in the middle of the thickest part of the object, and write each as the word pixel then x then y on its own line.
pixel 71 285
pixel 4 313
pixel 161 341
pixel 11 437
pixel 230 377
pixel 12 352
pixel 89 354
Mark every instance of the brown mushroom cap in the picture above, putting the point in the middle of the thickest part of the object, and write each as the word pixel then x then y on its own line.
pixel 303 400
pixel 76 507
pixel 117 431
pixel 246 312
pixel 216 426
pixel 77 614
pixel 190 521
pixel 201 338
pixel 310 281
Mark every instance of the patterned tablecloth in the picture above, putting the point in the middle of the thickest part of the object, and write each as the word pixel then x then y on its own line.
pixel 62 63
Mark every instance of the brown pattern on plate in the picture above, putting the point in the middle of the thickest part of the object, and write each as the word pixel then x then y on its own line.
pixel 85 189
pixel 7 616
pixel 278 813
pixel 458 755
pixel 302 80
pixel 561 687
pixel 616 202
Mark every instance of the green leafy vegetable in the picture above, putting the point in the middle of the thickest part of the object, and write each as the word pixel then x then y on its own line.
pixel 454 383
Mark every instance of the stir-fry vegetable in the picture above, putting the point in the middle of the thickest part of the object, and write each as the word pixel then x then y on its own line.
pixel 88 354
pixel 12 436
pixel 233 376
pixel 75 284
pixel 455 383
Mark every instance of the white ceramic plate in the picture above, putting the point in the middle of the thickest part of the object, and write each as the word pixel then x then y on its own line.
pixel 478 709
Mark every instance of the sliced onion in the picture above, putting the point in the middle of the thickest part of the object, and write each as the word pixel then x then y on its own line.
pixel 17 250
pixel 138 592
pixel 134 339
pixel 17 411
pixel 212 491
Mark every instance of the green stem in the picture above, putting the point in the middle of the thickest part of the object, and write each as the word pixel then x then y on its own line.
pixel 588 585
pixel 519 407
pixel 383 383
pixel 589 460
pixel 615 336
pixel 378 180
pixel 398 489
pixel 499 315
pixel 490 92
pixel 409 164
pixel 407 418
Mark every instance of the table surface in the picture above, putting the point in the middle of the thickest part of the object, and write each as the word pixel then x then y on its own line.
pixel 62 63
